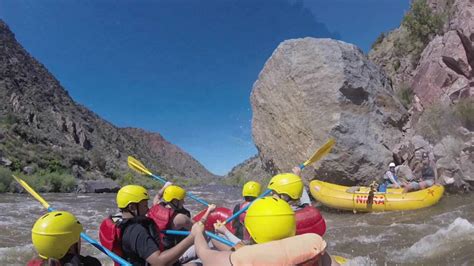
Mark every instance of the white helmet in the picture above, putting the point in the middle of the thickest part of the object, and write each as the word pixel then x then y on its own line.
pixel 391 164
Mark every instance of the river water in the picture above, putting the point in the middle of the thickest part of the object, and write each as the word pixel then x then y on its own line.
pixel 442 234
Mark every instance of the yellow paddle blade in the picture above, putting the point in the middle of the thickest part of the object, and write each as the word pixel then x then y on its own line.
pixel 325 149
pixel 137 166
pixel 339 259
pixel 32 192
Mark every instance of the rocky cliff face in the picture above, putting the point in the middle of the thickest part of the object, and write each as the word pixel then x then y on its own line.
pixel 443 71
pixel 250 170
pixel 42 125
pixel 441 80
pixel 446 69
pixel 311 89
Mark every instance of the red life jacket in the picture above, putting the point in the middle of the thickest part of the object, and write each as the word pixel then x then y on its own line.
pixel 162 216
pixel 110 235
pixel 246 235
pixel 309 220
pixel 35 262
pixel 242 215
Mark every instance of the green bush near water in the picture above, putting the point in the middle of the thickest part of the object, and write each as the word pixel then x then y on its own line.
pixel 5 179
pixel 238 180
pixel 51 181
pixel 42 181
pixel 131 179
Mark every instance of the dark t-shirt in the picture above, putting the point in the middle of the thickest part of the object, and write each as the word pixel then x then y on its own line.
pixel 138 244
pixel 74 260
pixel 68 260
pixel 239 228
pixel 427 172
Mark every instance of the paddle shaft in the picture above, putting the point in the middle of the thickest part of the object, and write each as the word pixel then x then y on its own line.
pixel 189 194
pixel 209 234
pixel 315 157
pixel 235 215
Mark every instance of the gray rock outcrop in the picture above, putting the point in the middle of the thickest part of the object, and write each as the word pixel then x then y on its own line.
pixel 311 89
pixel 98 186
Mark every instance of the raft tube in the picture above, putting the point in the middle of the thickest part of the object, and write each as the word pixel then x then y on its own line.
pixel 309 220
pixel 220 213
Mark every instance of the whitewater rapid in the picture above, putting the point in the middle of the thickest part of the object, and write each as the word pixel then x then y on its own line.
pixel 442 234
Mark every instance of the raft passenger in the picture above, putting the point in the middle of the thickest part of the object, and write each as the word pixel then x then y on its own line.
pixel 427 178
pixel 290 188
pixel 250 191
pixel 56 238
pixel 268 220
pixel 391 178
pixel 140 236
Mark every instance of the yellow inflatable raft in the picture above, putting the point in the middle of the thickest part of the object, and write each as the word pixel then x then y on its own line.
pixel 359 198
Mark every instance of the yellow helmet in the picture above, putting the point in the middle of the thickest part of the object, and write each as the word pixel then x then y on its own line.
pixel 54 233
pixel 289 184
pixel 251 189
pixel 270 219
pixel 131 194
pixel 173 192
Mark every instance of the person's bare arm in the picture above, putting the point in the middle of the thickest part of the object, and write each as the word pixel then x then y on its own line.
pixel 159 195
pixel 220 228
pixel 208 256
pixel 170 256
pixel 209 209
pixel 297 171
pixel 181 221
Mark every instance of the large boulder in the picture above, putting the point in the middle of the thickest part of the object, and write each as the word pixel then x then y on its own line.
pixel 98 186
pixel 455 161
pixel 311 89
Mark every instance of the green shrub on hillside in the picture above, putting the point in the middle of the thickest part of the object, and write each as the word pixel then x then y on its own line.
pixel 440 120
pixel 405 94
pixel 55 165
pixel 8 120
pixel 378 40
pixel 436 122
pixel 396 64
pixel 16 164
pixel 422 25
pixel 465 112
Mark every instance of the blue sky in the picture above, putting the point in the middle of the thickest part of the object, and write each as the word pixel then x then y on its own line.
pixel 182 68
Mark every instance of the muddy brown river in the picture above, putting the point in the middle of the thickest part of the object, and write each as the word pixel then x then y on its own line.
pixel 439 235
